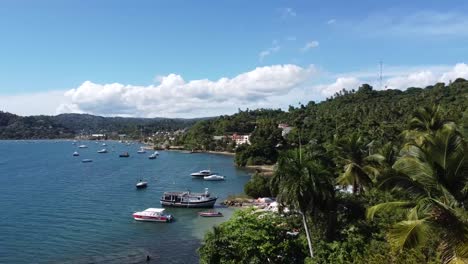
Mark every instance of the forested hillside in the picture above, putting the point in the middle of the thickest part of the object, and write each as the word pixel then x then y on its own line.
pixel 380 115
pixel 69 125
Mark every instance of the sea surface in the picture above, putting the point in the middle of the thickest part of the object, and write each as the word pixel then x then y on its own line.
pixel 56 209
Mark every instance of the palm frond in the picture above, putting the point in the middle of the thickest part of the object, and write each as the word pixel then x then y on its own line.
pixel 408 234
pixel 387 207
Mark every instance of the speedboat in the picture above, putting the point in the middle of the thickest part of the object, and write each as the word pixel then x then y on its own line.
pixel 141 184
pixel 76 153
pixel 214 177
pixel 124 155
pixel 201 173
pixel 102 151
pixel 210 214
pixel 188 199
pixel 82 146
pixel 153 156
pixel 86 160
pixel 153 215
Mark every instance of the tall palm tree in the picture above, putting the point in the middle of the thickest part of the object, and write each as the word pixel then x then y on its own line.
pixel 359 168
pixel 434 175
pixel 302 185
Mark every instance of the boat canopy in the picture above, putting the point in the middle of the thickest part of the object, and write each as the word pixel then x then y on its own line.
pixel 156 210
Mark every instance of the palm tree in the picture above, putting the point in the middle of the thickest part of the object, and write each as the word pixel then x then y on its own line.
pixel 303 185
pixel 434 175
pixel 358 168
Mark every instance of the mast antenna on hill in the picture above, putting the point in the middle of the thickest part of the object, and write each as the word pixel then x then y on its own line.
pixel 380 74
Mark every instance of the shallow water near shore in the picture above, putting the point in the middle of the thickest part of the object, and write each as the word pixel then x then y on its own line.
pixel 56 209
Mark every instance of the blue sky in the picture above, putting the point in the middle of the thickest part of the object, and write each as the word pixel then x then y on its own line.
pixel 69 53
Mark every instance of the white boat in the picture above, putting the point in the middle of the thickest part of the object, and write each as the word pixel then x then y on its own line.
pixel 82 146
pixel 104 144
pixel 201 173
pixel 76 153
pixel 214 177
pixel 153 156
pixel 141 151
pixel 102 151
pixel 153 215
pixel 86 160
pixel 141 184
pixel 156 153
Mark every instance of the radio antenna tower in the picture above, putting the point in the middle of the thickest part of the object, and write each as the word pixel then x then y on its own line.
pixel 380 74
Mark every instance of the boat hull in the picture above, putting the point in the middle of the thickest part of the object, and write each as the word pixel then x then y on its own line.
pixel 203 204
pixel 152 219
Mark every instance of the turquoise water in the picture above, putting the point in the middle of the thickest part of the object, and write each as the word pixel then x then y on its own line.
pixel 55 209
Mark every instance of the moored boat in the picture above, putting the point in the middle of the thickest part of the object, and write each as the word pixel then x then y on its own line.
pixel 76 153
pixel 141 184
pixel 86 160
pixel 124 155
pixel 210 214
pixel 188 199
pixel 82 146
pixel 153 215
pixel 102 151
pixel 214 177
pixel 152 156
pixel 201 173
pixel 141 151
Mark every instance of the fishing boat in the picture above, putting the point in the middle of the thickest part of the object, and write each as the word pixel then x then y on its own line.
pixel 153 156
pixel 124 155
pixel 141 184
pixel 153 215
pixel 210 214
pixel 201 173
pixel 214 177
pixel 188 199
pixel 102 151
pixel 86 160
pixel 76 153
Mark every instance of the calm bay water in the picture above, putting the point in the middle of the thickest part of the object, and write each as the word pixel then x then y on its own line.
pixel 56 209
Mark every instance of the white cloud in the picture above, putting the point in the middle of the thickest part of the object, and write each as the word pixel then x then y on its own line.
pixel 342 82
pixel 331 21
pixel 398 79
pixel 264 53
pixel 310 45
pixel 174 97
pixel 287 12
pixel 40 103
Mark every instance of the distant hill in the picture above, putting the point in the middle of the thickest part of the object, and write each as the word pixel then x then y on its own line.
pixel 69 125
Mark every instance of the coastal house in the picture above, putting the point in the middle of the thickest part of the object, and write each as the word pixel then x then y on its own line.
pixel 240 139
pixel 98 136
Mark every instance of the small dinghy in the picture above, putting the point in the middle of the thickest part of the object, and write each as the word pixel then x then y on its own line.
pixel 141 151
pixel 76 154
pixel 86 160
pixel 102 151
pixel 82 146
pixel 141 184
pixel 210 214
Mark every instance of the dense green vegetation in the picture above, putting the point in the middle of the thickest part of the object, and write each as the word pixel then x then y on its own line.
pixel 70 125
pixel 368 177
pixel 374 115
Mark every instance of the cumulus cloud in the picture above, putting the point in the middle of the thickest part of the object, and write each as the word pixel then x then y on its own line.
pixel 347 83
pixel 310 45
pixel 174 96
pixel 32 103
pixel 397 79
